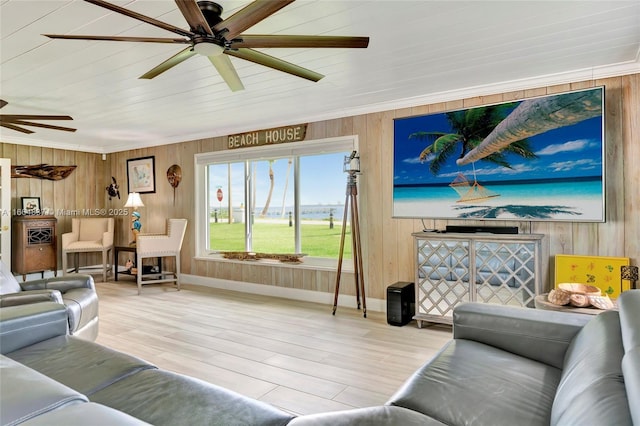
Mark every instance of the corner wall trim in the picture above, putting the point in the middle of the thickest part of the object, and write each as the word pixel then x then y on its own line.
pixel 345 301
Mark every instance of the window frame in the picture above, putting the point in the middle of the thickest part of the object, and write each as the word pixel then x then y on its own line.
pixel 265 152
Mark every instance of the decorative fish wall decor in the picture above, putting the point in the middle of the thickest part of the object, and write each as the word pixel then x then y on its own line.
pixel 42 171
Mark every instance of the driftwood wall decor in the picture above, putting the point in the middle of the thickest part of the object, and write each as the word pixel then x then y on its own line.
pixel 42 171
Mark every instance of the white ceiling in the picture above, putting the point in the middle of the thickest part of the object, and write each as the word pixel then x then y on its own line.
pixel 420 51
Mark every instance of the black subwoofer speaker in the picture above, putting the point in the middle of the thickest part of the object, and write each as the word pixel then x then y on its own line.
pixel 401 302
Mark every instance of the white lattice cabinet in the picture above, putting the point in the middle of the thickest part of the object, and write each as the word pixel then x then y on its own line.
pixel 453 268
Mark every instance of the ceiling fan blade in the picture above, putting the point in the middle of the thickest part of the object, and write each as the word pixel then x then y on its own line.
pixel 119 38
pixel 253 41
pixel 140 17
pixel 191 12
pixel 3 103
pixel 179 57
pixel 44 126
pixel 16 128
pixel 275 63
pixel 14 118
pixel 227 72
pixel 249 16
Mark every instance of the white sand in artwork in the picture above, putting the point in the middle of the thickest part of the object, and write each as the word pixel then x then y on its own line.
pixel 584 208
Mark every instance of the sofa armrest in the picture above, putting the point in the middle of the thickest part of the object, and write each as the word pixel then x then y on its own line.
pixel 61 284
pixel 540 335
pixel 25 325
pixel 32 296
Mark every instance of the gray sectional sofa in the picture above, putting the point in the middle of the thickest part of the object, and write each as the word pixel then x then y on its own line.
pixel 504 366
pixel 76 292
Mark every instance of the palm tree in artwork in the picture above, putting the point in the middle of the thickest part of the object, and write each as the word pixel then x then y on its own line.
pixel 469 128
pixel 271 183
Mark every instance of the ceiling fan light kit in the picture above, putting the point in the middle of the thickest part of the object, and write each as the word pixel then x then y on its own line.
pixel 208 49
pixel 217 38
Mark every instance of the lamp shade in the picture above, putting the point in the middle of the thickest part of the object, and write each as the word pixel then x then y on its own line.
pixel 134 200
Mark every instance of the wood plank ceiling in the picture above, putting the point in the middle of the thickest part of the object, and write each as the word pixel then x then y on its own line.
pixel 418 50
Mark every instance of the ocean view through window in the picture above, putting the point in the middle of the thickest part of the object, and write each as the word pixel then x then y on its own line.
pixel 280 199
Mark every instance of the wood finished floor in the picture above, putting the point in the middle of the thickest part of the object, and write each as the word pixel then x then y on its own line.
pixel 293 355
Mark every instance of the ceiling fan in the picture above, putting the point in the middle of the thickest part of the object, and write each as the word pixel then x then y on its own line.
pixel 18 121
pixel 218 38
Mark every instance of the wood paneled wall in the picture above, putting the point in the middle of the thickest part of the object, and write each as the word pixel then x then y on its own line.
pixel 84 188
pixel 387 243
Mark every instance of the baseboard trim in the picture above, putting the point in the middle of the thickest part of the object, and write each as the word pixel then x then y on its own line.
pixel 375 305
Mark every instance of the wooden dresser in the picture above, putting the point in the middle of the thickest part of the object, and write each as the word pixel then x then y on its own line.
pixel 34 245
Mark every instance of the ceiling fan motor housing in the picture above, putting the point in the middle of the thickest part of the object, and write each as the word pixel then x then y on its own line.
pixel 211 11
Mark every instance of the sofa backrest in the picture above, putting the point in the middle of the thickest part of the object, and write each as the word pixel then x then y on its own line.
pixel 8 283
pixel 592 389
pixel 629 305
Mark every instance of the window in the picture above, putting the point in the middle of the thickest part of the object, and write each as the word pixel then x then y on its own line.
pixel 286 198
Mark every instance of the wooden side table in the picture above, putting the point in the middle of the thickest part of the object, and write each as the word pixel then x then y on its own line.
pixel 127 249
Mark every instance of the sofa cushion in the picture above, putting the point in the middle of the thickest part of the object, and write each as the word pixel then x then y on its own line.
pixel 27 393
pixel 631 370
pixel 473 383
pixel 82 365
pixel 592 389
pixel 165 398
pixel 25 325
pixel 629 304
pixel 532 333
pixel 387 415
pixel 85 414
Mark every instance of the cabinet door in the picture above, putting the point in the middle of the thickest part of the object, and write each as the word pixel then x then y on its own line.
pixel 40 258
pixel 505 272
pixel 442 276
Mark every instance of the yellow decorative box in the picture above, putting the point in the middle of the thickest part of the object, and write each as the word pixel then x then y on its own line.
pixel 600 271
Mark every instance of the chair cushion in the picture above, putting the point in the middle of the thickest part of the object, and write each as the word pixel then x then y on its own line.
pixel 92 229
pixel 472 383
pixel 84 246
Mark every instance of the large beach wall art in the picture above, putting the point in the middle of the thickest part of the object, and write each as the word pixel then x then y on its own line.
pixel 537 159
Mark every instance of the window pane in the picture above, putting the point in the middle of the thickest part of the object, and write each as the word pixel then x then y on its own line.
pixel 323 190
pixel 226 207
pixel 273 203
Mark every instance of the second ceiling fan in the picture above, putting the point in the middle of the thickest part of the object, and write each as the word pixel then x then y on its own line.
pixel 216 38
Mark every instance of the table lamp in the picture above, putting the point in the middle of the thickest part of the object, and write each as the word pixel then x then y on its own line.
pixel 135 201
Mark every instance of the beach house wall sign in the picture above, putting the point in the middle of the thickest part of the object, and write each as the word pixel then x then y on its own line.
pixel 267 137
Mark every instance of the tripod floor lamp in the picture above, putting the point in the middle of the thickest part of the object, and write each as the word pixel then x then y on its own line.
pixel 352 168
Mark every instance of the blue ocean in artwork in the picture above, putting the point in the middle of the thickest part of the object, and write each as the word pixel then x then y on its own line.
pixel 552 167
pixel 575 199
